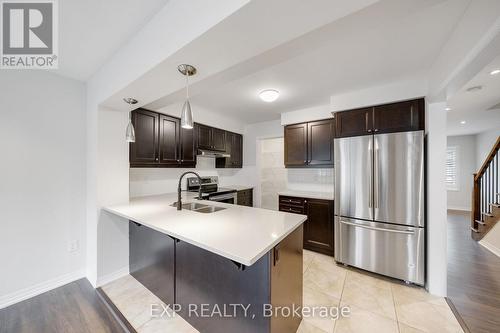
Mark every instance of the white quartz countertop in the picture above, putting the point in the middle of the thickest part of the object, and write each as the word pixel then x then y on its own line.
pixel 308 194
pixel 243 234
pixel 239 187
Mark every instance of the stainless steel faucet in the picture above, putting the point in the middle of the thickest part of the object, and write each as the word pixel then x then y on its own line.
pixel 179 200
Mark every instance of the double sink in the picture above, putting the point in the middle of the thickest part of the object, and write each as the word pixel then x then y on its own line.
pixel 199 207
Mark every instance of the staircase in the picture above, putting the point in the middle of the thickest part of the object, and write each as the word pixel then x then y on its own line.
pixel 486 195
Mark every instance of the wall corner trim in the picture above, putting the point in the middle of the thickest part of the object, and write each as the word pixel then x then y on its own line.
pixel 40 288
pixel 113 276
pixel 490 247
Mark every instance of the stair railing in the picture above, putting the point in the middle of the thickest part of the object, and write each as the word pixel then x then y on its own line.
pixel 486 191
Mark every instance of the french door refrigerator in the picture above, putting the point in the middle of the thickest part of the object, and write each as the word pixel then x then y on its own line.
pixel 379 204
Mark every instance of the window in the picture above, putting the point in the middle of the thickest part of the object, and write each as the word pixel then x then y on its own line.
pixel 452 168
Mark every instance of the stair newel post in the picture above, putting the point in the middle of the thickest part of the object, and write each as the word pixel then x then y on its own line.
pixel 476 202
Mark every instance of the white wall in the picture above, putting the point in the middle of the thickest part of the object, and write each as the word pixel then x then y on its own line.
pixel 42 191
pixel 386 93
pixel 205 116
pixel 436 199
pixel 150 181
pixel 461 198
pixel 484 143
pixel 308 114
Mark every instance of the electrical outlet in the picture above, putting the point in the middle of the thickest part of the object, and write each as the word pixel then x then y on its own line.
pixel 73 246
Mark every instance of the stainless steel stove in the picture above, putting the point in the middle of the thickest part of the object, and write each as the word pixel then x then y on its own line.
pixel 210 189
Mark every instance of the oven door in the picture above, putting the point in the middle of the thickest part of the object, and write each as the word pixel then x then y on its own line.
pixel 225 198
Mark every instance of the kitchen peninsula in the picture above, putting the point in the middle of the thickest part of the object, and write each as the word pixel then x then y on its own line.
pixel 223 255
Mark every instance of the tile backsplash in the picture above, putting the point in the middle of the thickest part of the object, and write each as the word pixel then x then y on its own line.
pixel 319 180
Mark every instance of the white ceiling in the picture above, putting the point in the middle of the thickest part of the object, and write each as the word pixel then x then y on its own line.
pixel 91 31
pixel 378 44
pixel 480 109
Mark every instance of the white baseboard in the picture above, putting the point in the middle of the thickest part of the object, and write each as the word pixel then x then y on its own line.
pixel 490 247
pixel 39 288
pixel 112 276
pixel 466 209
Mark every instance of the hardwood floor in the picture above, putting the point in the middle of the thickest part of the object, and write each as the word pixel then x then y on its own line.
pixel 75 307
pixel 473 277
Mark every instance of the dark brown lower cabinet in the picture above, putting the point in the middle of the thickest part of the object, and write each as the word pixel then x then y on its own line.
pixel 245 197
pixel 318 229
pixel 198 281
pixel 152 261
pixel 203 277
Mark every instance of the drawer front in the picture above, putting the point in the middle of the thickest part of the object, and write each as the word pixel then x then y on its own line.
pixel 291 201
pixel 386 249
pixel 291 209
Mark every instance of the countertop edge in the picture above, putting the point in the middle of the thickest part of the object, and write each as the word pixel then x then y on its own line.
pixel 306 195
pixel 202 246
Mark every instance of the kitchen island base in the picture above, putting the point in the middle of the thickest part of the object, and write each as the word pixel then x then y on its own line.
pixel 215 294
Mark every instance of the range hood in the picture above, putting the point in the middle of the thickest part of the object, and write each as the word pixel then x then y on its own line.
pixel 212 153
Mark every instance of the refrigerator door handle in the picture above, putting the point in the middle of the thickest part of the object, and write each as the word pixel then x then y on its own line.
pixel 378 229
pixel 376 167
pixel 370 178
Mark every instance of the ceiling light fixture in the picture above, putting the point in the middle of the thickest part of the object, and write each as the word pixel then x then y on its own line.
pixel 448 109
pixel 474 88
pixel 130 132
pixel 495 72
pixel 186 113
pixel 269 95
pixel 463 122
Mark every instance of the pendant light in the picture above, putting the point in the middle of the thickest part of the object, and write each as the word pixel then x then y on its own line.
pixel 187 114
pixel 130 133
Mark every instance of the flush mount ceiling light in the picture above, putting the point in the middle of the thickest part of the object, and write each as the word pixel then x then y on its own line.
pixel 130 132
pixel 186 113
pixel 269 95
pixel 463 122
pixel 495 72
pixel 448 109
pixel 474 89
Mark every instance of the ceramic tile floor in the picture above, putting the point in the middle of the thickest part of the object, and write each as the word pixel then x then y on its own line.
pixel 376 304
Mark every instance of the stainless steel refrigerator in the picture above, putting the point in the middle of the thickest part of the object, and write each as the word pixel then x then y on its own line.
pixel 379 204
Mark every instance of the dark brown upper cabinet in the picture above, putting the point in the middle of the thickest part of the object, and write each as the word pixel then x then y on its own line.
pixel 309 144
pixel 188 148
pixel 320 143
pixel 218 139
pixel 144 151
pixel 399 117
pixel 169 140
pixel 204 135
pixel 395 117
pixel 160 141
pixel 234 147
pixel 211 138
pixel 354 122
pixel 296 145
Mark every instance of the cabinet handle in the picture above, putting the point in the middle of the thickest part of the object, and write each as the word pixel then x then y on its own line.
pixel 276 255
